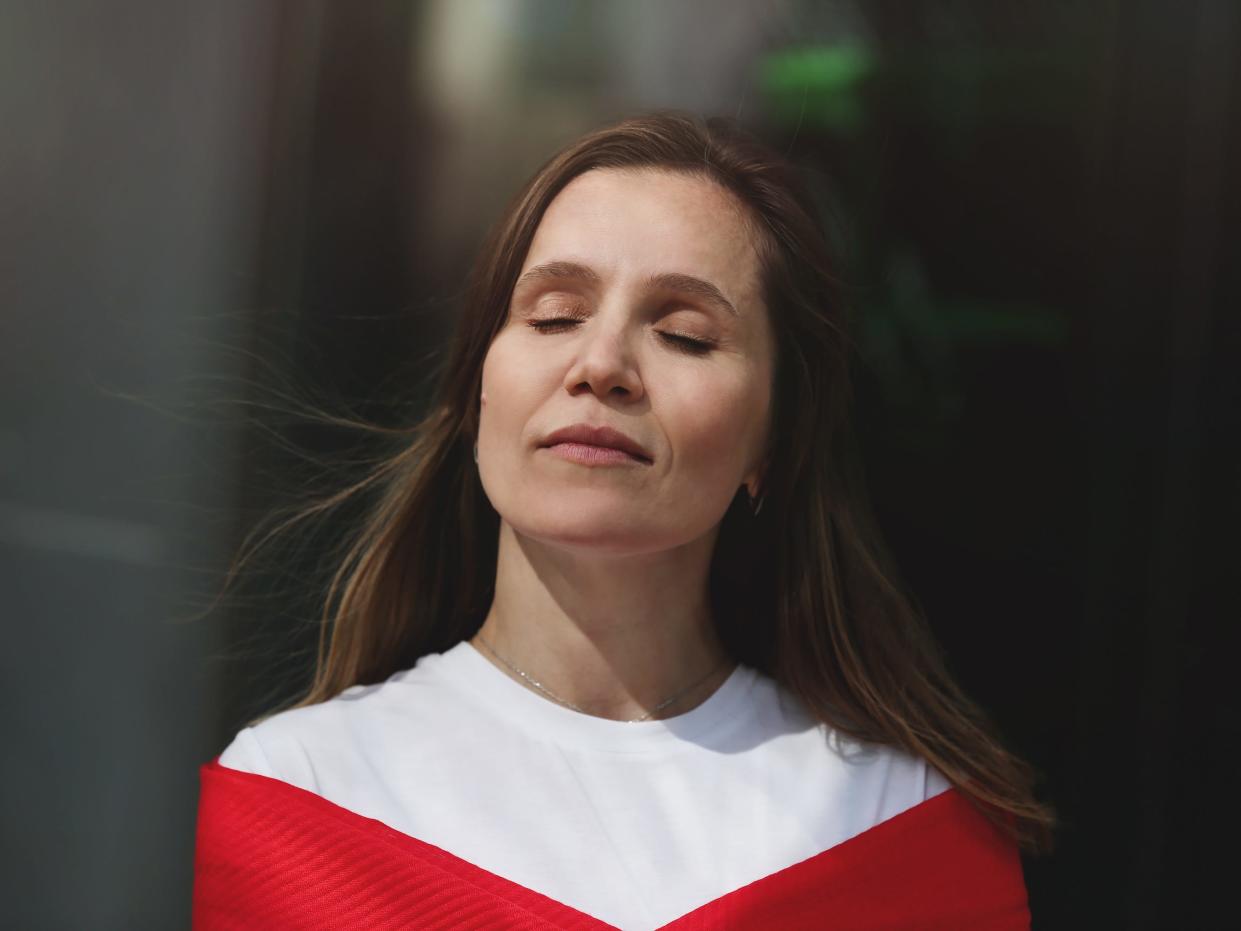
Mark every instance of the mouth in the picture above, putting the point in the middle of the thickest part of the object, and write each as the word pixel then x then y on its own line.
pixel 590 445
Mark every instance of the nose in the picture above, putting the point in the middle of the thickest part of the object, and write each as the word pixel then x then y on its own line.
pixel 605 363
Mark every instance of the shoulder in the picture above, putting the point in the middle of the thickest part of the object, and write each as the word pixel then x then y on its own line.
pixel 895 770
pixel 284 745
pixel 302 746
pixel 887 776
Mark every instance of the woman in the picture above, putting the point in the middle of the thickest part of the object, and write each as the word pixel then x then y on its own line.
pixel 618 645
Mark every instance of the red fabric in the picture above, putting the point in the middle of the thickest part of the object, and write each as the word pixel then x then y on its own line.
pixel 273 856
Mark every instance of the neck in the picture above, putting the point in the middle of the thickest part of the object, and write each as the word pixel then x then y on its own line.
pixel 613 635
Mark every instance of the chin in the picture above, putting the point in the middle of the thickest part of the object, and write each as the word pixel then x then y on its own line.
pixel 616 536
pixel 604 532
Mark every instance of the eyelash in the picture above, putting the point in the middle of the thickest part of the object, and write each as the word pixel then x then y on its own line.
pixel 689 344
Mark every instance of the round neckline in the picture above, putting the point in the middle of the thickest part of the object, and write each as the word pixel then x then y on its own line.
pixel 470 672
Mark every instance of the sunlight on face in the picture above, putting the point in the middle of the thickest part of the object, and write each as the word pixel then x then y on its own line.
pixel 638 308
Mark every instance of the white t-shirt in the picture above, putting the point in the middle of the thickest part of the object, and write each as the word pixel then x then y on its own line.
pixel 633 823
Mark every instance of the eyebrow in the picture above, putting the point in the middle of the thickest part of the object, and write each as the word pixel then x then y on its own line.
pixel 670 281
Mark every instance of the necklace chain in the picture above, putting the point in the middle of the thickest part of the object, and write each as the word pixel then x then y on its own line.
pixel 552 695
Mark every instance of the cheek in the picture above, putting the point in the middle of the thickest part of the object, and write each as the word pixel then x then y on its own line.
pixel 720 428
pixel 513 389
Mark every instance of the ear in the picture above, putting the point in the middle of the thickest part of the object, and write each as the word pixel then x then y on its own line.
pixel 756 479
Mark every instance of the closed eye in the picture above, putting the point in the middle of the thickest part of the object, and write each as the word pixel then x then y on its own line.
pixel 554 325
pixel 689 344
pixel 679 341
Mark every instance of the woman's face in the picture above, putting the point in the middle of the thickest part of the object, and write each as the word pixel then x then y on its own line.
pixel 637 309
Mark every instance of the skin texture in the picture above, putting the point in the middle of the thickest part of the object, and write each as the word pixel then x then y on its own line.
pixel 601 585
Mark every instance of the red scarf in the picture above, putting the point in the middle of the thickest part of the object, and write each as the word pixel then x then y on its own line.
pixel 273 856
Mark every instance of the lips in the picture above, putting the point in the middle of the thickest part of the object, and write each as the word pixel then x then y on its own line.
pixel 605 437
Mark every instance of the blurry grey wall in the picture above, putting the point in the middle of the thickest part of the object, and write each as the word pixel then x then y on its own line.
pixel 127 176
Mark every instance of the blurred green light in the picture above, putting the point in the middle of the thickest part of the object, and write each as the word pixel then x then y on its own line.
pixel 817 86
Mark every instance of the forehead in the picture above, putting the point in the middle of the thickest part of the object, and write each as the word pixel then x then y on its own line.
pixel 634 223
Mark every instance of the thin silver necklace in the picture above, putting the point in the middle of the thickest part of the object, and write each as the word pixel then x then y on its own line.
pixel 568 704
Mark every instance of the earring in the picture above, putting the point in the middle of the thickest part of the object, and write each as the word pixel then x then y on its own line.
pixel 476 452
pixel 756 504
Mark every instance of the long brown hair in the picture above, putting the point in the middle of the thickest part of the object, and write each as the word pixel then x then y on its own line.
pixel 803 592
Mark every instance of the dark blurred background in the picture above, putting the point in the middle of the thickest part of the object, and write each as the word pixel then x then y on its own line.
pixel 215 216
